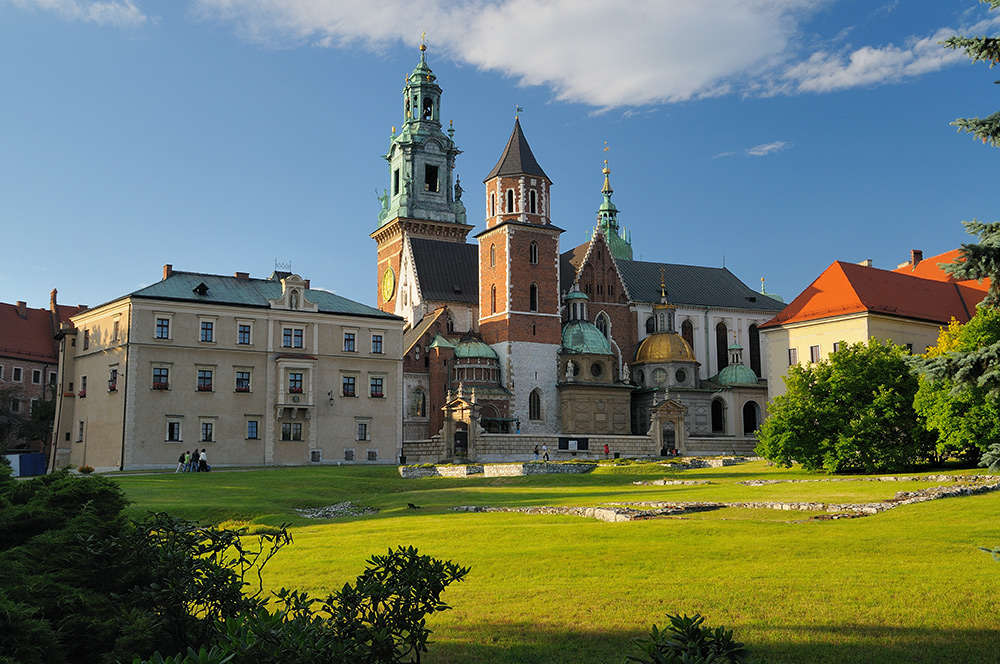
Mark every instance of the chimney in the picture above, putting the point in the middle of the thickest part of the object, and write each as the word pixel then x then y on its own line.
pixel 168 270
pixel 868 262
pixel 307 283
pixel 916 255
pixel 52 301
pixel 22 309
pixel 242 275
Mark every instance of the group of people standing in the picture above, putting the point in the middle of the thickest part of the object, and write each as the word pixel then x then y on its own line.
pixel 193 462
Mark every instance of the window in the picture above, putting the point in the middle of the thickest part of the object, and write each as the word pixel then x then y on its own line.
pixel 348 342
pixel 362 430
pixel 814 353
pixel 243 334
pixel 207 331
pixel 113 379
pixel 531 202
pixel 836 346
pixel 15 405
pixel 510 200
pixel 114 329
pixel 349 455
pixel 52 376
pixel 242 381
pixel 395 182
pixel 349 386
pixel 418 404
pixel 295 382
pixel 161 378
pixel 86 339
pixel 252 430
pixel 376 387
pixel 755 364
pixel 533 297
pixel 17 375
pixel 36 376
pixel 291 431
pixel 173 431
pixel 162 328
pixel 204 380
pixel 79 432
pixel 83 386
pixel 718 416
pixel 493 255
pixel 1 372
pixel 793 356
pixel 493 205
pixel 291 337
pixel 377 344
pixel 722 345
pixel 431 178
pixel 687 333
pixel 534 405
pixel 207 432
pixel 373 455
pixel 533 253
pixel 493 299
pixel 602 324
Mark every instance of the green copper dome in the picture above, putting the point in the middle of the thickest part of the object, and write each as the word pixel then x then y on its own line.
pixel 472 348
pixel 736 374
pixel 579 336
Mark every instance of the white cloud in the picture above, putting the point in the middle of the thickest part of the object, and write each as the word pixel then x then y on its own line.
pixel 768 148
pixel 114 13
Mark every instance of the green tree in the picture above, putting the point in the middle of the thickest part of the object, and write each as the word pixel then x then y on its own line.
pixel 955 396
pixel 980 49
pixel 12 421
pixel 850 413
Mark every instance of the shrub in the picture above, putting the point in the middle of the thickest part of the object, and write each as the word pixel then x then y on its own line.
pixel 687 641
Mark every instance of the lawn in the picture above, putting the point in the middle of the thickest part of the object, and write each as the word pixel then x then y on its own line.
pixel 909 585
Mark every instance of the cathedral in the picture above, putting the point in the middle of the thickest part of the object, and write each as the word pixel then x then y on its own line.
pixel 511 342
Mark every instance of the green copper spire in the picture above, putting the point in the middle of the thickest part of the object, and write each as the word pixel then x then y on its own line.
pixel 422 157
pixel 607 218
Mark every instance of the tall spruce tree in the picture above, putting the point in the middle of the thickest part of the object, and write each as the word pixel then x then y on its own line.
pixel 984 49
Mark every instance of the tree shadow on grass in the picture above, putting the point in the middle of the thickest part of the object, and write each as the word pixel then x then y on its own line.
pixel 526 643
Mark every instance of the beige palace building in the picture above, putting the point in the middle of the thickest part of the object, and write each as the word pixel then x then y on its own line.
pixel 258 371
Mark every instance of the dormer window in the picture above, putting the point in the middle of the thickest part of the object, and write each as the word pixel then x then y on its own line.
pixel 201 289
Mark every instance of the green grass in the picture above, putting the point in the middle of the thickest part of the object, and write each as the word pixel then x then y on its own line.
pixel 908 585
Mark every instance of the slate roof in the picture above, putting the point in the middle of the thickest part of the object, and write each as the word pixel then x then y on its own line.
pixel 517 157
pixel 692 285
pixel 226 290
pixel 846 288
pixel 446 271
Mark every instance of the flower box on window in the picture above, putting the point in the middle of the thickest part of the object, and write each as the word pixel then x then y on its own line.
pixel 205 388
pixel 242 388
pixel 295 390
pixel 377 395
pixel 348 393
pixel 161 386
pixel 82 393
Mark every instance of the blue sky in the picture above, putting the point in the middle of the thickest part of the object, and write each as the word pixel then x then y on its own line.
pixel 772 136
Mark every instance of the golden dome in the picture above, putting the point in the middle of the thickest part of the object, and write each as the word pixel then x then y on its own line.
pixel 662 348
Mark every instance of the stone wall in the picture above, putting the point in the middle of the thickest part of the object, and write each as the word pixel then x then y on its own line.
pixel 520 447
pixel 425 451
pixel 716 446
pixel 518 469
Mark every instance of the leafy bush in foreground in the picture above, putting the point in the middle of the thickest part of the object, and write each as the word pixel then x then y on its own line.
pixel 688 641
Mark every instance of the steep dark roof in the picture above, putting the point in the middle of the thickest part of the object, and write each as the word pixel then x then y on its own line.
pixel 447 271
pixel 517 158
pixel 692 284
pixel 248 293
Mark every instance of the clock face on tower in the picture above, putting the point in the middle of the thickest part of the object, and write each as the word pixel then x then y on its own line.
pixel 388 284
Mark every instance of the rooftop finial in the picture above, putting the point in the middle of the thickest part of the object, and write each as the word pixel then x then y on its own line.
pixel 423 46
pixel 663 285
pixel 517 110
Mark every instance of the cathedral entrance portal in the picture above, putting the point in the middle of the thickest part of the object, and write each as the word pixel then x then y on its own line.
pixel 669 440
pixel 461 441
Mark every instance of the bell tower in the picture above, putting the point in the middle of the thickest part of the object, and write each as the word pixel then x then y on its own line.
pixel 519 314
pixel 424 197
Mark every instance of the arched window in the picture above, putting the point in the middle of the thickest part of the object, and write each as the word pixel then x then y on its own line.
pixel 603 325
pixel 718 416
pixel 451 324
pixel 722 346
pixel 533 253
pixel 418 403
pixel 493 299
pixel 687 333
pixel 650 325
pixel 510 200
pixel 532 208
pixel 755 350
pixel 751 417
pixel 533 298
pixel 534 405
pixel 493 255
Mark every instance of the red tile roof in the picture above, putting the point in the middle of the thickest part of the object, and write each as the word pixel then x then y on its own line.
pixel 27 334
pixel 931 268
pixel 846 288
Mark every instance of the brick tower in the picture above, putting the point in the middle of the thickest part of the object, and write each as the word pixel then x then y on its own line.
pixel 423 199
pixel 519 284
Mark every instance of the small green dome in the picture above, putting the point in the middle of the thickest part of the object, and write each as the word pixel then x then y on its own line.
pixel 736 374
pixel 579 336
pixel 473 348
